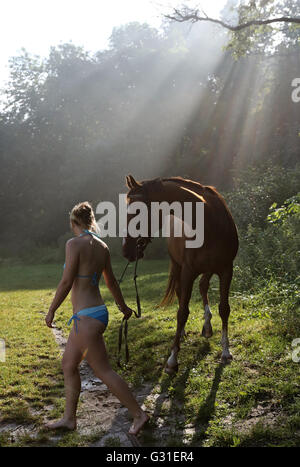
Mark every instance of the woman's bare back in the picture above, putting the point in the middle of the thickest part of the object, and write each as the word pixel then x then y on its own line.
pixel 91 253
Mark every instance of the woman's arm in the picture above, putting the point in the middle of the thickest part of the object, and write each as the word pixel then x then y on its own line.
pixel 66 282
pixel 114 287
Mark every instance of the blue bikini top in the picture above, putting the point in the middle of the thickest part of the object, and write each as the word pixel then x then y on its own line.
pixel 94 276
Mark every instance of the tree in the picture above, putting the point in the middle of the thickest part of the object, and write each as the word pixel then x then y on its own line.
pixel 254 21
pixel 192 15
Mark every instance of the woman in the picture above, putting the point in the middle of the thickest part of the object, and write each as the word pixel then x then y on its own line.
pixel 87 257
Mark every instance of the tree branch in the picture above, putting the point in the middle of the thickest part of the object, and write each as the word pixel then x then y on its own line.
pixel 194 17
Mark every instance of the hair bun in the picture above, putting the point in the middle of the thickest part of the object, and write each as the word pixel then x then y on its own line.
pixel 82 214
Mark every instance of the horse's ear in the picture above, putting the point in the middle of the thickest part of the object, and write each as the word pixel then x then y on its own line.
pixel 131 182
pixel 128 182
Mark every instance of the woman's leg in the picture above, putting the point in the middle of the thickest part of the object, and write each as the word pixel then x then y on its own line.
pixel 98 360
pixel 71 359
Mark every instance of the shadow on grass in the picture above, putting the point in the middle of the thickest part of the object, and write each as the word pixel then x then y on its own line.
pixel 207 409
pixel 172 432
pixel 168 427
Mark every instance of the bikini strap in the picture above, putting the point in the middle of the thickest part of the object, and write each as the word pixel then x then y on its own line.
pixel 75 318
pixel 91 233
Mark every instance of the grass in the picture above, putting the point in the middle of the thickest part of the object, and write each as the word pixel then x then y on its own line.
pixel 252 402
pixel 30 378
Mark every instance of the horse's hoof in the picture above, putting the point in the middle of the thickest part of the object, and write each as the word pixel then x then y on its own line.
pixel 226 359
pixel 207 331
pixel 171 370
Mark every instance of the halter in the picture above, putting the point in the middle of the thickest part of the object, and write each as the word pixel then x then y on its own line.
pixel 141 244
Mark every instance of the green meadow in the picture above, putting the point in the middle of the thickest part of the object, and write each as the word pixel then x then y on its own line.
pixel 254 401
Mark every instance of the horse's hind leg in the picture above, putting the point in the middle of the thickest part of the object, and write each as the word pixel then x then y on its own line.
pixel 224 310
pixel 203 286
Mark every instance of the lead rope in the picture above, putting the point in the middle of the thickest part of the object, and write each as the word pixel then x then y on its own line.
pixel 124 321
pixel 123 273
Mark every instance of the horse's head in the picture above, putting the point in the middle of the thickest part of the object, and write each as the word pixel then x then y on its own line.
pixel 134 247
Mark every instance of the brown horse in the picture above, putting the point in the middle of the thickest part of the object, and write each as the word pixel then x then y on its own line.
pixel 215 256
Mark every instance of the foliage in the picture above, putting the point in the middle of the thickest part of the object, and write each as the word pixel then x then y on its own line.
pixel 282 215
pixel 263 39
pixel 268 261
pixel 259 189
pixel 72 125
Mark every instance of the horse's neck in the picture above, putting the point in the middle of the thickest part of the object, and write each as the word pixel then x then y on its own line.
pixel 171 192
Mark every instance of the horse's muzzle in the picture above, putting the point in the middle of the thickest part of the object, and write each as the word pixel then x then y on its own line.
pixel 133 256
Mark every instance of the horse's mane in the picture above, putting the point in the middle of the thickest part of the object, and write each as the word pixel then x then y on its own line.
pixel 204 189
pixel 190 184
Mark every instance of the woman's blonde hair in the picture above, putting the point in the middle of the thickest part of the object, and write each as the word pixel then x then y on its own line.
pixel 83 214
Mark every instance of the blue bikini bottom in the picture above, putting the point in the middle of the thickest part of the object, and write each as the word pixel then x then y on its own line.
pixel 97 312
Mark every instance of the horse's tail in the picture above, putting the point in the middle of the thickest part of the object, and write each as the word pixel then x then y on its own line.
pixel 173 282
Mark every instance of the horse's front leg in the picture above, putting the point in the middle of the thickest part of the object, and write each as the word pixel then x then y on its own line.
pixel 224 310
pixel 172 363
pixel 178 293
pixel 186 286
pixel 203 286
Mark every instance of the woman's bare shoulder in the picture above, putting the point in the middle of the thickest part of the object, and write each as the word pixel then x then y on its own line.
pixel 77 242
pixel 71 242
pixel 102 244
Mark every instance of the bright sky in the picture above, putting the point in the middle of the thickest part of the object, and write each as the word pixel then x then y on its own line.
pixel 38 24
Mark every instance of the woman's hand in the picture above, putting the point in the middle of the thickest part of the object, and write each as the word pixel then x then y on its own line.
pixel 126 311
pixel 49 318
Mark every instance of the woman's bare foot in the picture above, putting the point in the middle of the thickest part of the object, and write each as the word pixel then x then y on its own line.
pixel 138 423
pixel 63 424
